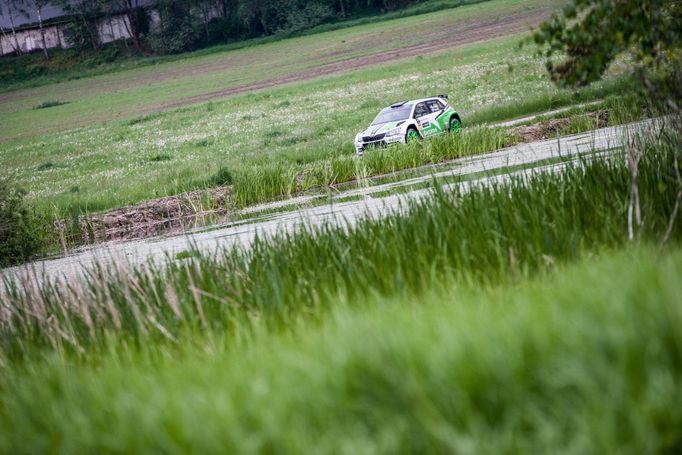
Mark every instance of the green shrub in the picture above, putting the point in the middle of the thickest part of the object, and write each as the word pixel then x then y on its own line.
pixel 20 236
pixel 46 104
pixel 159 157
pixel 222 177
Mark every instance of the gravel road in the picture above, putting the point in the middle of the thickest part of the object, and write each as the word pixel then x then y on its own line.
pixel 268 219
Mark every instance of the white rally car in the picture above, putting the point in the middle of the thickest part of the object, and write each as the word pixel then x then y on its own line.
pixel 410 120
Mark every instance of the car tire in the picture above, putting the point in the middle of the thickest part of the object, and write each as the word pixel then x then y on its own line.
pixel 412 135
pixel 455 125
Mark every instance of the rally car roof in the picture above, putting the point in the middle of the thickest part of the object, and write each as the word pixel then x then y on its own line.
pixel 402 103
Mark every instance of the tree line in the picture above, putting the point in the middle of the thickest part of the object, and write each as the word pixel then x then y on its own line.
pixel 172 26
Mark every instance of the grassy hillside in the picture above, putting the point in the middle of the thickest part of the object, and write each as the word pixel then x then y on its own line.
pixel 32 70
pixel 144 90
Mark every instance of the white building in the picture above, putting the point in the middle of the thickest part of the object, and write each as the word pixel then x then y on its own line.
pixel 21 29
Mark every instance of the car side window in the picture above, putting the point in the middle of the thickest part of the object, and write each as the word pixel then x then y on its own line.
pixel 434 106
pixel 421 110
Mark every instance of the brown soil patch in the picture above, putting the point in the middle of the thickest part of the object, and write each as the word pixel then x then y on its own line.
pixel 544 130
pixel 154 217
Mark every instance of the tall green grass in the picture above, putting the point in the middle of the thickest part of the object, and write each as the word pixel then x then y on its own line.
pixel 588 361
pixel 268 181
pixel 455 326
pixel 491 234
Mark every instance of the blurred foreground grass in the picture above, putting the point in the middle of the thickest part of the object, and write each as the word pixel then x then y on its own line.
pixel 587 361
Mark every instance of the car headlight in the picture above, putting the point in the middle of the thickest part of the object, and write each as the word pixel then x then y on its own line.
pixel 358 138
pixel 393 132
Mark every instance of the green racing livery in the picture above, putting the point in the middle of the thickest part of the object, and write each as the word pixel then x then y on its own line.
pixel 410 120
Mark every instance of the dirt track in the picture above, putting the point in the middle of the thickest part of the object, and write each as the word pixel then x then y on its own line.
pixel 449 38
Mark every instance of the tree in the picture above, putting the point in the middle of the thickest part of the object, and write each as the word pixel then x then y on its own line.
pixel 206 9
pixel 83 31
pixel 256 11
pixel 37 6
pixel 301 15
pixel 136 21
pixel 22 7
pixel 592 33
pixel 177 29
pixel 11 9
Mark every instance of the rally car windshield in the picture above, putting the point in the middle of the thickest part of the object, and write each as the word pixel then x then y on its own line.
pixel 393 114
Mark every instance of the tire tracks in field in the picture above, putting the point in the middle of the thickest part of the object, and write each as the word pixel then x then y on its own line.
pixel 460 35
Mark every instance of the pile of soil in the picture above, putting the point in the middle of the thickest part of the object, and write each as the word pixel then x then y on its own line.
pixel 153 217
pixel 542 130
pixel 545 130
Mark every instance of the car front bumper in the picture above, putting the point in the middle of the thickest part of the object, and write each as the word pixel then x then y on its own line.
pixel 361 146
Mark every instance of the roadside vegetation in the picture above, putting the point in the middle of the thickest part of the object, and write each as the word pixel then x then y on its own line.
pixel 586 358
pixel 22 232
pixel 328 317
pixel 528 225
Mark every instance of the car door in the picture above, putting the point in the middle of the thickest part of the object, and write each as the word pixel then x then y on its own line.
pixel 426 119
pixel 438 109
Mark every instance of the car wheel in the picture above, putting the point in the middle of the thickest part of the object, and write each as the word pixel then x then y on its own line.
pixel 411 136
pixel 455 125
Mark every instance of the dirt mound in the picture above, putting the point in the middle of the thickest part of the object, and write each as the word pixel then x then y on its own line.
pixel 542 130
pixel 550 128
pixel 154 217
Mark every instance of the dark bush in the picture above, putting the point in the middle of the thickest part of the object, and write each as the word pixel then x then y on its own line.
pixel 46 104
pixel 177 30
pixel 222 177
pixel 21 233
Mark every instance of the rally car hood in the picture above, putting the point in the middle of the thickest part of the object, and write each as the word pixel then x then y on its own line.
pixel 373 130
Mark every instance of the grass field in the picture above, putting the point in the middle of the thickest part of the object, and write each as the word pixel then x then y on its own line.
pixel 460 325
pixel 262 142
pixel 145 90
pixel 31 70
